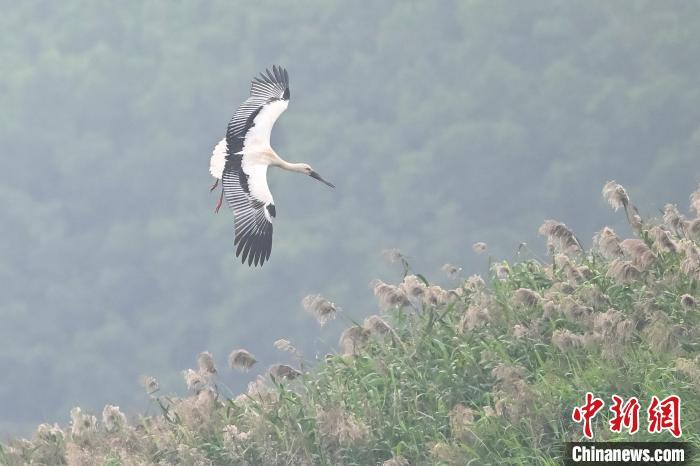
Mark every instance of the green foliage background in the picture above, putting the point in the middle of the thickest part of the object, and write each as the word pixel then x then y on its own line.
pixel 442 123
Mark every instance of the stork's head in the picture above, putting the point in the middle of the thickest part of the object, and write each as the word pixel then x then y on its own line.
pixel 306 168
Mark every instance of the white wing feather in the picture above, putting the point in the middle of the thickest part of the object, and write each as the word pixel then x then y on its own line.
pixel 257 178
pixel 258 136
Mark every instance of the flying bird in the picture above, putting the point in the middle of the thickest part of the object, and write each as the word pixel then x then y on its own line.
pixel 240 162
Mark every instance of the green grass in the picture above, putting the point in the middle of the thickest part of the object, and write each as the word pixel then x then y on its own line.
pixel 470 375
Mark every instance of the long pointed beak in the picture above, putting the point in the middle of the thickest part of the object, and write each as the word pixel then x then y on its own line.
pixel 319 178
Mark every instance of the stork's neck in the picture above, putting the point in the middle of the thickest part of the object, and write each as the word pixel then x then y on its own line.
pixel 292 167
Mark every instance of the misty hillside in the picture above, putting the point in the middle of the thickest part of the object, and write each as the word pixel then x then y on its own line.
pixel 442 123
pixel 486 371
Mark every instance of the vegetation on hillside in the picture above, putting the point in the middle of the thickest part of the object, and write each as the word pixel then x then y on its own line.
pixel 487 372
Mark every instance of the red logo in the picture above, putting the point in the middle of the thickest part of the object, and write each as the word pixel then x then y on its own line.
pixel 662 415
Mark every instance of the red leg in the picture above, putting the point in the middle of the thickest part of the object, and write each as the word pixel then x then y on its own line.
pixel 221 200
pixel 215 185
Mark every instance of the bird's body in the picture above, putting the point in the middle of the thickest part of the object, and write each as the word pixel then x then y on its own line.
pixel 241 159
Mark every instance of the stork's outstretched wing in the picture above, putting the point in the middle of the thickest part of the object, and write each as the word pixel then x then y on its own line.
pixel 251 125
pixel 247 194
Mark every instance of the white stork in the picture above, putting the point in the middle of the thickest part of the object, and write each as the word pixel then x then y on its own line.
pixel 240 161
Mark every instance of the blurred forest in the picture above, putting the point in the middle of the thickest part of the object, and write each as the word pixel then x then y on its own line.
pixel 442 123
